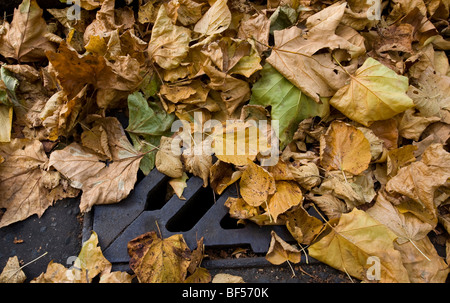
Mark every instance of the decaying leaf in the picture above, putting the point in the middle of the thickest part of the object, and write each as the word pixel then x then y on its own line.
pixel 100 183
pixel 215 20
pixel 166 161
pixel 287 195
pixel 280 251
pixel 12 273
pixel 256 184
pixel 345 148
pixel 28 187
pixel 156 260
pixel 25 39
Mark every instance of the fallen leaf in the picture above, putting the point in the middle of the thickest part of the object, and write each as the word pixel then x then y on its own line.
pixel 288 104
pixel 12 272
pixel 239 209
pixel 197 161
pixel 419 181
pixel 169 43
pixel 302 226
pixel 28 187
pixel 280 251
pixel 25 39
pixel 329 204
pixel 222 175
pixel 178 185
pixel 287 195
pixel 215 20
pixel 383 92
pixel 156 260
pixel 256 184
pixel 100 183
pixel 345 148
pixel 6 118
pixel 227 278
pixel 347 244
pixel 167 161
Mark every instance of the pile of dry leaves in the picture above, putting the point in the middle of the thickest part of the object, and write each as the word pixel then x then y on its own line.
pixel 360 91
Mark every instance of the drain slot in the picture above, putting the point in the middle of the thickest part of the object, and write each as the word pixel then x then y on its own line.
pixel 157 197
pixel 192 211
pixel 230 223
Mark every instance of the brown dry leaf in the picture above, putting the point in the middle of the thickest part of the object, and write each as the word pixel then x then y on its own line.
pixel 100 183
pixel 222 175
pixel 399 157
pixel 12 273
pixel 302 226
pixel 257 28
pixel 307 175
pixel 419 181
pixel 345 148
pixel 179 184
pixel 239 209
pixel 319 76
pixel 412 124
pixel 198 161
pixel 331 206
pixel 287 195
pixel 215 20
pixel 169 43
pixel 256 184
pixel 348 243
pixel 405 225
pixel 422 262
pixel 25 39
pixel 227 278
pixel 156 260
pixel 280 251
pixel 166 161
pixel 74 72
pixel 27 186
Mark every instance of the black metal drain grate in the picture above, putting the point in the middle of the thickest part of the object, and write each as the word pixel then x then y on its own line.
pixel 201 215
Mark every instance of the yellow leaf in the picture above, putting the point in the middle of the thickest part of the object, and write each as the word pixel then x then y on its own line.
pixel 287 195
pixel 280 251
pixel 345 148
pixel 12 273
pixel 215 20
pixel 302 226
pixel 256 184
pixel 156 260
pixel 178 185
pixel 239 209
pixel 348 245
pixel 169 43
pixel 6 117
pixel 374 93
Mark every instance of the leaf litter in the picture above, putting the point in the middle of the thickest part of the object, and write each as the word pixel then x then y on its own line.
pixel 360 97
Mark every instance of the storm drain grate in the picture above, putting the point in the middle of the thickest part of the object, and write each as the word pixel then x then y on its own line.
pixel 202 214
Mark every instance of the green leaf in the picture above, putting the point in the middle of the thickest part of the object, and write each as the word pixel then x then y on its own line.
pixel 289 105
pixel 9 97
pixel 283 17
pixel 147 123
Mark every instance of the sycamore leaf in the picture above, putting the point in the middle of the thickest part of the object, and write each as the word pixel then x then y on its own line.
pixel 287 195
pixel 100 183
pixel 419 181
pixel 169 43
pixel 6 117
pixel 156 260
pixel 178 185
pixel 302 226
pixel 167 161
pixel 356 237
pixel 12 273
pixel 280 251
pixel 288 104
pixel 239 209
pixel 215 20
pixel 375 93
pixel 27 187
pixel 405 225
pixel 345 148
pixel 147 123
pixel 256 184
pixel 25 39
